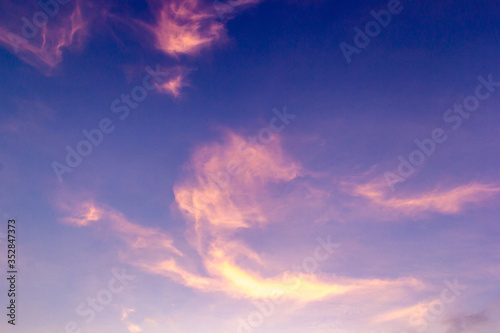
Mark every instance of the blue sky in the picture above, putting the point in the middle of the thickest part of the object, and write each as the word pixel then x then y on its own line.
pixel 247 159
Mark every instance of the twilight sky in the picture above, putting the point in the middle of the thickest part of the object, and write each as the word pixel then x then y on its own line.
pixel 251 166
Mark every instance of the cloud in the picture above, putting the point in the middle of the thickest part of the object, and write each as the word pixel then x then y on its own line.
pixel 446 201
pixel 186 27
pixel 232 187
pixel 228 189
pixel 42 46
pixel 180 28
pixel 137 237
pixel 131 327
pixel 173 86
pixel 414 312
pixel 221 193
pixel 228 192
pixel 126 312
pixel 175 82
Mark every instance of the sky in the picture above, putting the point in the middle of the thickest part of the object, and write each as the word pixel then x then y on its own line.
pixel 251 166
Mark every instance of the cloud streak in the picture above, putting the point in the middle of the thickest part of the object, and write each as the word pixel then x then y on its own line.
pixel 445 201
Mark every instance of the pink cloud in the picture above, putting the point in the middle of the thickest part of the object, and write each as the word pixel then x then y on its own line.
pixel 186 27
pixel 42 46
pixel 446 201
pixel 87 213
pixel 226 193
pixel 177 80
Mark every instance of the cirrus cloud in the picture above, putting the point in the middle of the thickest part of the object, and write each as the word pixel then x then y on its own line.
pixel 216 217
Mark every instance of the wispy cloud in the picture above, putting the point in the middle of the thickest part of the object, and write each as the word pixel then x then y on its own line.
pixel 30 119
pixel 131 327
pixel 406 313
pixel 43 46
pixel 177 80
pixel 446 201
pixel 216 216
pixel 87 213
pixel 186 27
